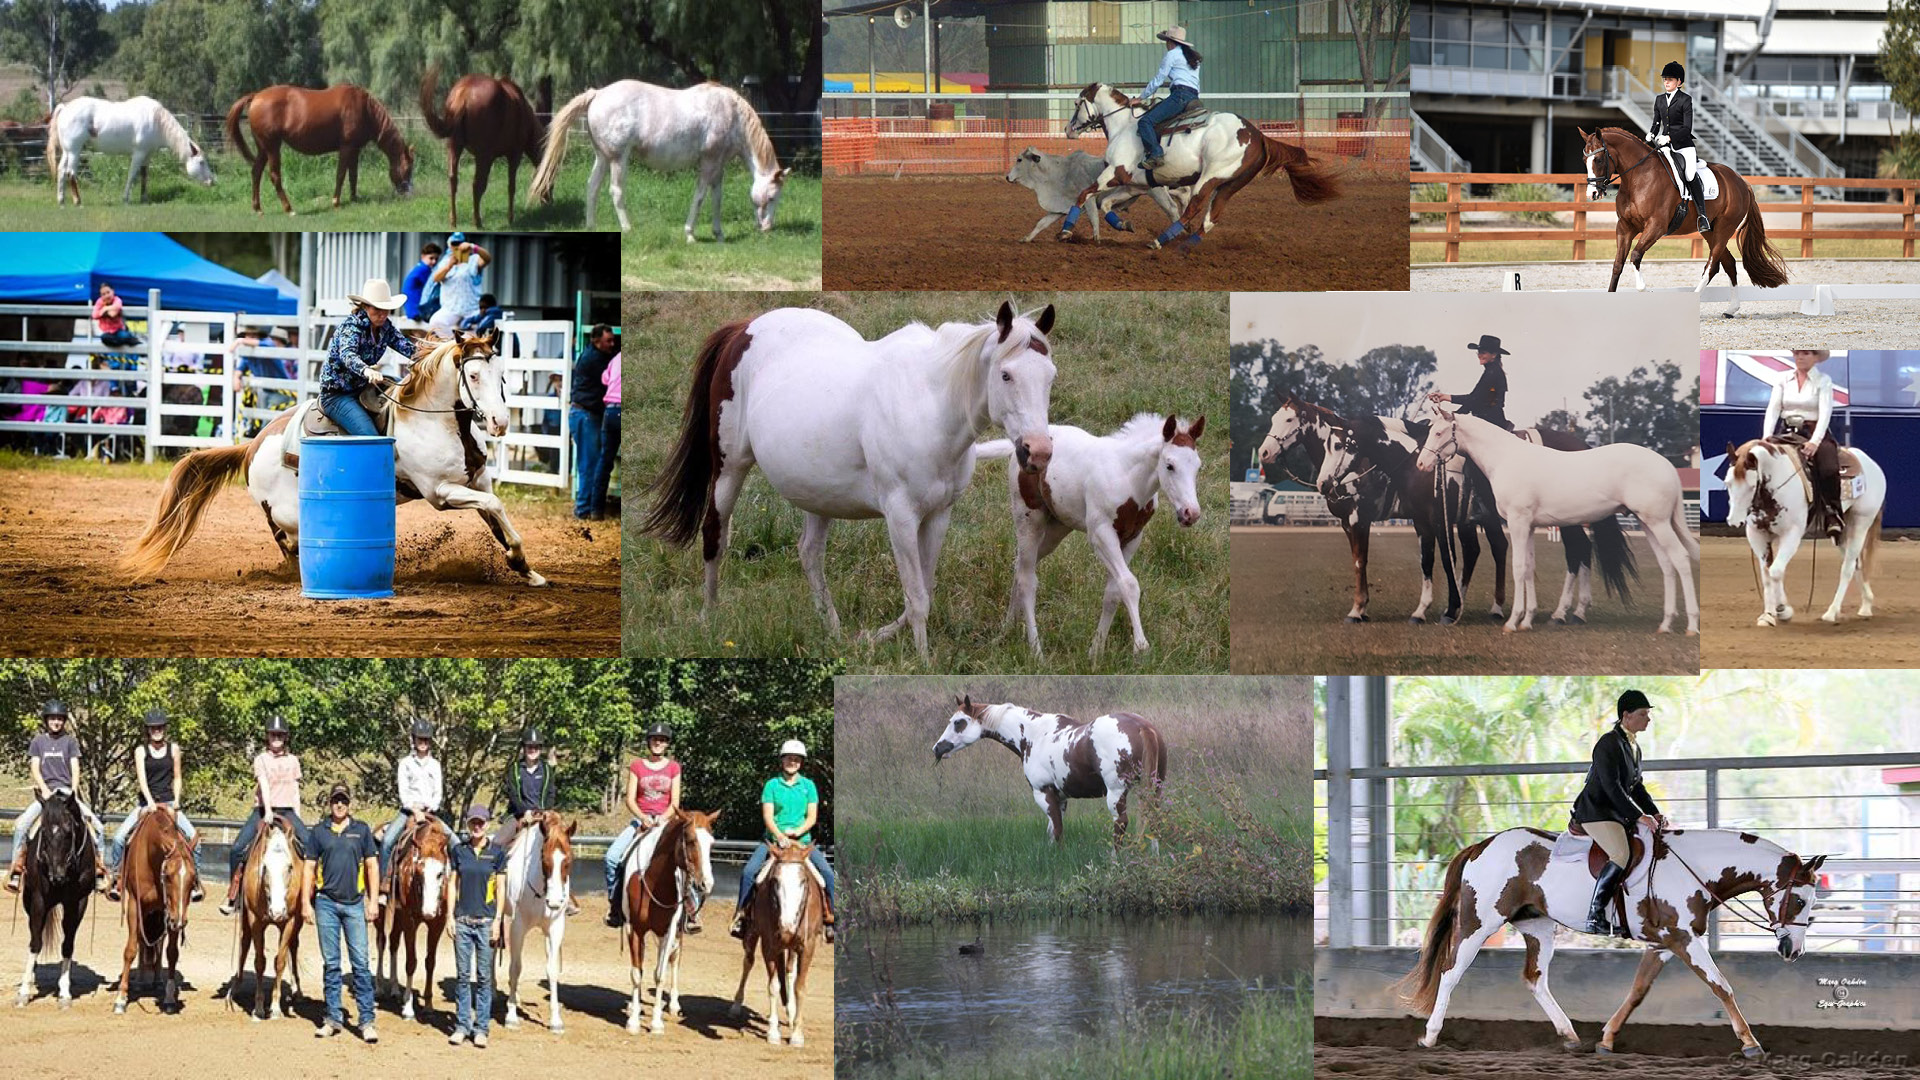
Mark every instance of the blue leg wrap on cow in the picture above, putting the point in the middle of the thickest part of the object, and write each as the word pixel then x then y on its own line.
pixel 1073 218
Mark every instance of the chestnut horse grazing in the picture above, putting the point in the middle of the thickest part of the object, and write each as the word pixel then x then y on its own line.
pixel 272 882
pixel 421 880
pixel 489 118
pixel 789 900
pixel 342 118
pixel 157 879
pixel 656 896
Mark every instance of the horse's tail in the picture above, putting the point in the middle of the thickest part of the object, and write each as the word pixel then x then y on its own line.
pixel 1614 557
pixel 1419 987
pixel 1311 180
pixel 234 138
pixel 441 126
pixel 679 493
pixel 53 145
pixel 556 151
pixel 1763 263
pixel 190 487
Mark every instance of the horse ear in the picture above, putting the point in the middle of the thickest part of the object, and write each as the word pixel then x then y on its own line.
pixel 1813 864
pixel 1583 132
pixel 967 703
pixel 1045 322
pixel 1004 320
pixel 1168 429
pixel 1199 425
pixel 1731 449
pixel 715 816
pixel 571 826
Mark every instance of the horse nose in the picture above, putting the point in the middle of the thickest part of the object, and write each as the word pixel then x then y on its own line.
pixel 1035 451
pixel 1189 515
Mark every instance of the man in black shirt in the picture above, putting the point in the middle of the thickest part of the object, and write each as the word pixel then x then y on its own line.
pixel 477 924
pixel 585 405
pixel 342 858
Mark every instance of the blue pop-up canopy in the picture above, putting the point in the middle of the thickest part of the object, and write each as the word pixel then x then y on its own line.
pixel 68 268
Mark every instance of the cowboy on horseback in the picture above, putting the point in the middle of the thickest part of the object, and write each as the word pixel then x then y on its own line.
pixel 1180 74
pixel 53 760
pixel 789 807
pixel 1488 398
pixel 418 781
pixel 653 796
pixel 156 765
pixel 1615 800
pixel 1673 131
pixel 354 357
pixel 1802 405
pixel 276 780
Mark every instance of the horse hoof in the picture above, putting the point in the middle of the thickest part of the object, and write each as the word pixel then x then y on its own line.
pixel 1576 620
pixel 66 1003
pixel 633 1027
pixel 535 580
pixel 1572 1046
pixel 1603 1048
pixel 557 1029
pixel 735 1010
pixel 1726 314
pixel 1766 620
pixel 1153 245
pixel 119 1008
pixel 1751 1052
pixel 512 1022
pixel 1415 620
pixel 797 1040
pixel 1355 619
pixel 20 1002
pixel 1557 621
pixel 1447 620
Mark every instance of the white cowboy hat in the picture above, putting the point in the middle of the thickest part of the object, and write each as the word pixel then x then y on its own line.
pixel 279 334
pixel 375 293
pixel 1176 33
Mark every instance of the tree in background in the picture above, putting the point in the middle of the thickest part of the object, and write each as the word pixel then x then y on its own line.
pixel 60 41
pixel 1900 62
pixel 1559 420
pixel 200 56
pixel 1380 45
pixel 1646 407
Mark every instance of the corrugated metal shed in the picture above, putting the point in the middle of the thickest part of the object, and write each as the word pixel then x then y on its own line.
pixel 524 272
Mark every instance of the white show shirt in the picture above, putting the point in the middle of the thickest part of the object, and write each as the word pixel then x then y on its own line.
pixel 1799 404
pixel 419 782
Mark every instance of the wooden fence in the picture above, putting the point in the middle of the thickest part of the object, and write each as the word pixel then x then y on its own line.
pixel 1456 203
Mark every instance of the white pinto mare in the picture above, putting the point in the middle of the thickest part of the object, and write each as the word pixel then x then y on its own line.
pixel 1514 877
pixel 1107 487
pixel 705 126
pixel 137 126
pixel 850 429
pixel 1533 485
pixel 1767 494
pixel 452 402
pixel 539 884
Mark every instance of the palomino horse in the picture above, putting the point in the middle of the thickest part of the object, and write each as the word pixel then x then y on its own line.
pixel 539 884
pixel 59 874
pixel 706 125
pixel 1517 877
pixel 789 901
pixel 157 882
pixel 847 428
pixel 1064 758
pixel 274 880
pixel 1533 485
pixel 1769 491
pixel 342 118
pixel 422 885
pixel 136 126
pixel 656 897
pixel 1213 162
pixel 1649 200
pixel 1107 488
pixel 453 399
pixel 489 118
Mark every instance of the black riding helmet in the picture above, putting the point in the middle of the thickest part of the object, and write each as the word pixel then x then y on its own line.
pixel 659 731
pixel 423 730
pixel 277 725
pixel 530 736
pixel 51 709
pixel 156 718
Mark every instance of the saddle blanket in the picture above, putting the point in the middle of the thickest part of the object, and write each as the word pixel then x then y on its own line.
pixel 1709 182
pixel 1572 849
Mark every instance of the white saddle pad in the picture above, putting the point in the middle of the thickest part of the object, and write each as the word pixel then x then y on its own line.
pixel 1572 849
pixel 1709 183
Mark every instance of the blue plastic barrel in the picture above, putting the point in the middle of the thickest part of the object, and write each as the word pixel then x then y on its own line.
pixel 346 517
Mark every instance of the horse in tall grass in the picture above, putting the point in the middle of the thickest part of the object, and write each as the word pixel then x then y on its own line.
pixel 1769 492
pixel 137 126
pixel 705 126
pixel 786 924
pixel 341 119
pixel 489 118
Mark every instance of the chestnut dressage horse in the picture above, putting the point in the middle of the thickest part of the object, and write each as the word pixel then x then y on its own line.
pixel 488 118
pixel 273 880
pixel 343 118
pixel 157 884
pixel 656 896
pixel 789 902
pixel 422 881
pixel 1648 201
pixel 59 874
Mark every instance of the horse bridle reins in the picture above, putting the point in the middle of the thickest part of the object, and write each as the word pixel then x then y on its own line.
pixel 1603 179
pixel 1076 126
pixel 464 401
pixel 1744 911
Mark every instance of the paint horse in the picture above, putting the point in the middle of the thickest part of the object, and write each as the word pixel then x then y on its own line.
pixel 137 126
pixel 656 898
pixel 789 906
pixel 157 885
pixel 1107 488
pixel 1514 877
pixel 58 876
pixel 539 884
pixel 1063 758
pixel 847 429
pixel 1769 491
pixel 421 900
pixel 273 882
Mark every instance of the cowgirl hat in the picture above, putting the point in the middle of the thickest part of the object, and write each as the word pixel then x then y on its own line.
pixel 1176 34
pixel 376 293
pixel 1488 343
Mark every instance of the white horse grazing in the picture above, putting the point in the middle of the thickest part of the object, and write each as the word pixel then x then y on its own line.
pixel 453 400
pixel 539 884
pixel 848 429
pixel 706 125
pixel 1533 485
pixel 1767 492
pixel 1203 167
pixel 1107 488
pixel 136 126
pixel 1536 879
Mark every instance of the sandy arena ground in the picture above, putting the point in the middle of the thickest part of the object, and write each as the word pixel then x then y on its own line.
pixel 1769 324
pixel 226 593
pixel 208 1042
pixel 1730 602
pixel 964 233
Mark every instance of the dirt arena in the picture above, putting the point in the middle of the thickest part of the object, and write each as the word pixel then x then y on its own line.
pixel 208 1042
pixel 1730 603
pixel 1292 589
pixel 227 594
pixel 963 232
pixel 1528 1050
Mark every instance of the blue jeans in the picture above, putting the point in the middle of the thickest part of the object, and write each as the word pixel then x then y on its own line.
pixel 761 853
pixel 609 457
pixel 244 842
pixel 122 338
pixel 392 836
pixel 346 410
pixel 1166 109
pixel 330 917
pixel 473 975
pixel 583 428
pixel 617 854
pixel 117 850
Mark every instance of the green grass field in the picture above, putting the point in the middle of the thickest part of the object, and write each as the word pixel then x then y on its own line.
pixel 656 255
pixel 963 839
pixel 1163 352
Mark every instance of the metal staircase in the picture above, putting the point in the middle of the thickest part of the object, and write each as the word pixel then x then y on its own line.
pixel 1430 153
pixel 1723 132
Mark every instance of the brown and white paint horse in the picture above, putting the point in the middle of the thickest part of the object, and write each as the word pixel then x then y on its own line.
pixel 272 882
pixel 422 880
pixel 157 883
pixel 656 896
pixel 1511 877
pixel 789 903
pixel 1063 758
pixel 539 886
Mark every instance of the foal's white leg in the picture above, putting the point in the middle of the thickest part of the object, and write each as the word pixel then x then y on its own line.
pixel 617 191
pixel 1026 577
pixel 1122 586
pixel 813 560
pixel 595 178
pixel 1462 959
pixel 1539 935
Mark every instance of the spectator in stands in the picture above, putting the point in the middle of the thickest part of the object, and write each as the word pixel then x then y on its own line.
pixel 414 285
pixel 459 278
pixel 585 415
pixel 110 319
pixel 609 433
pixel 481 322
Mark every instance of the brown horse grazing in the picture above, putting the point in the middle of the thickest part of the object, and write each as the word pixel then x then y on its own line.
pixel 273 880
pixel 422 878
pixel 788 901
pixel 1648 202
pixel 342 118
pixel 656 895
pixel 157 880
pixel 489 118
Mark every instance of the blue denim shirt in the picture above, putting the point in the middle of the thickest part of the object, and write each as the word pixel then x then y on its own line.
pixel 1174 71
pixel 357 347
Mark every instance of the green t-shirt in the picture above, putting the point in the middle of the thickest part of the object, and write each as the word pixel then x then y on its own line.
pixel 790 802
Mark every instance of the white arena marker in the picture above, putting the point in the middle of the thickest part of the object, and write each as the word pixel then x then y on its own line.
pixel 1509 281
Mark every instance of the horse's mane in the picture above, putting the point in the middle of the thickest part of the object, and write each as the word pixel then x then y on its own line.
pixel 389 132
pixel 426 371
pixel 755 133
pixel 1141 426
pixel 957 348
pixel 177 138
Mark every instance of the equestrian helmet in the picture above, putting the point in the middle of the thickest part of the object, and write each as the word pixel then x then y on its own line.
pixel 1629 701
pixel 659 731
pixel 793 746
pixel 156 718
pixel 422 730
pixel 530 736
pixel 53 708
pixel 1674 71
pixel 277 725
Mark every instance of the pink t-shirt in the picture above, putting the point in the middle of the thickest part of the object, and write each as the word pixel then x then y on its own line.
pixel 279 776
pixel 107 324
pixel 655 790
pixel 612 378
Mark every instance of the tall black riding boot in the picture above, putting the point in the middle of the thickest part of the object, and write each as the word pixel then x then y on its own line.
pixel 1699 193
pixel 1610 877
pixel 1829 492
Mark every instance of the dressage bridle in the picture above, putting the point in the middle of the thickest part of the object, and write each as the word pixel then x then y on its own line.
pixel 1603 178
